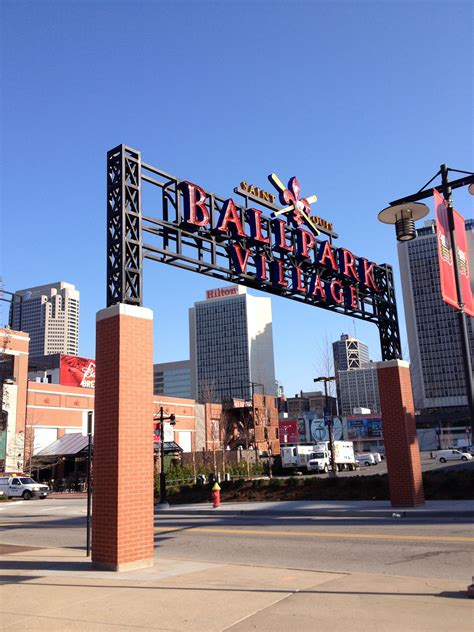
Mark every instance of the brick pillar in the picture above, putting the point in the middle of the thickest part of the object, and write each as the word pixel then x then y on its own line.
pixel 399 429
pixel 122 525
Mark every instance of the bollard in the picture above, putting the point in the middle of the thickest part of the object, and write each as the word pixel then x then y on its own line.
pixel 216 495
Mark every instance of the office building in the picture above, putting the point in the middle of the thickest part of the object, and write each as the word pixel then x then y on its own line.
pixel 50 315
pixel 349 353
pixel 231 346
pixel 173 379
pixel 358 388
pixel 432 325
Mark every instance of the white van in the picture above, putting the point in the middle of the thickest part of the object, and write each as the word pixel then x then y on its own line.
pixel 377 456
pixel 21 486
pixel 452 455
pixel 365 459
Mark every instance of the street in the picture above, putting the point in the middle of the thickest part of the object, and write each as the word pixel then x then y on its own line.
pixel 428 548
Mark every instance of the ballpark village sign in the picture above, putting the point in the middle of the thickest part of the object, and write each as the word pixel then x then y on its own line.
pixel 284 250
pixel 289 253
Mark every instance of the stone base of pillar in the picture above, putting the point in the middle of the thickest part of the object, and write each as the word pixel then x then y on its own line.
pixel 402 452
pixel 122 525
pixel 121 568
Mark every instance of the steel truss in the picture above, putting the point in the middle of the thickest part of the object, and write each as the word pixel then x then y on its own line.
pixel 208 253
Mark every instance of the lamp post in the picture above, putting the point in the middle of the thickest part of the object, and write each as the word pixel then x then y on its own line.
pixel 438 434
pixel 161 418
pixel 328 420
pixel 90 417
pixel 403 213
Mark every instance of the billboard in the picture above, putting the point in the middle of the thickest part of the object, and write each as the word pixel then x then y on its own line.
pixel 288 431
pixel 364 428
pixel 76 371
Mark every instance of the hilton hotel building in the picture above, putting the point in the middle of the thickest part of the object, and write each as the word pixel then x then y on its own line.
pixel 432 325
pixel 231 345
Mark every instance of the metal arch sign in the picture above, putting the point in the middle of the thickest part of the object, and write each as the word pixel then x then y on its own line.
pixel 284 254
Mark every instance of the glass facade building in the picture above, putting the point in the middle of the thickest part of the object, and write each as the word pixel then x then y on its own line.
pixel 432 325
pixel 173 379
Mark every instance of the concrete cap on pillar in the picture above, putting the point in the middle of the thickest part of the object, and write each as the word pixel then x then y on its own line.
pixel 122 309
pixel 389 364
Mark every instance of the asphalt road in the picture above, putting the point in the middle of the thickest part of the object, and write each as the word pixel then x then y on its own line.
pixel 433 549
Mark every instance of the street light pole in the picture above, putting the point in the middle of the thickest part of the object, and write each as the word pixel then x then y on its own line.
pixel 403 213
pixel 461 313
pixel 90 416
pixel 328 420
pixel 161 417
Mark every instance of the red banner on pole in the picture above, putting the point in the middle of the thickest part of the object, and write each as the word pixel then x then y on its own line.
pixel 463 262
pixel 445 257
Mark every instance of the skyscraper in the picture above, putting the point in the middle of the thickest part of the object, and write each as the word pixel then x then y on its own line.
pixel 349 353
pixel 358 388
pixel 50 315
pixel 356 379
pixel 231 345
pixel 432 325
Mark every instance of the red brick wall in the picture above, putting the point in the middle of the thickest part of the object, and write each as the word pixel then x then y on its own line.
pixel 400 438
pixel 122 528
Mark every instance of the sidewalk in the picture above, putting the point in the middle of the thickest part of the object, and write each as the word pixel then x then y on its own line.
pixel 335 508
pixel 57 590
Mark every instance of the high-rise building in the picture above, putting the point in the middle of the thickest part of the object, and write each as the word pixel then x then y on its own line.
pixel 231 345
pixel 349 353
pixel 356 380
pixel 432 325
pixel 358 388
pixel 50 315
pixel 173 379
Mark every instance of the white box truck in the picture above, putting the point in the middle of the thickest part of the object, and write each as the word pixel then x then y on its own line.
pixel 296 457
pixel 343 457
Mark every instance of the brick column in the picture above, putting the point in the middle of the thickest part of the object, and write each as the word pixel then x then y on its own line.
pixel 122 524
pixel 399 430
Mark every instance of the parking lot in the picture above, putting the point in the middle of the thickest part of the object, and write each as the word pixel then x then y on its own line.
pixel 427 464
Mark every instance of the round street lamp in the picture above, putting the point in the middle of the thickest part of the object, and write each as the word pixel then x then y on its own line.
pixel 404 217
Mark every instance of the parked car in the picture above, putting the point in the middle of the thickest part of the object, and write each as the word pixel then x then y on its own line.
pixel 365 459
pixel 22 486
pixel 452 455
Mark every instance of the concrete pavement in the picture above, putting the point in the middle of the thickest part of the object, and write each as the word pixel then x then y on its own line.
pixel 57 590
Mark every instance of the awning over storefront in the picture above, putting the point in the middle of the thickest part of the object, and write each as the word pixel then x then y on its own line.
pixel 68 445
pixel 169 447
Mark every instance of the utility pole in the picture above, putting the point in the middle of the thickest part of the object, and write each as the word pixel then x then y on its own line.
pixel 328 420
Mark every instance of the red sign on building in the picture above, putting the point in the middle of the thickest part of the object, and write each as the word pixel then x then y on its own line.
pixel 76 371
pixel 446 257
pixel 288 431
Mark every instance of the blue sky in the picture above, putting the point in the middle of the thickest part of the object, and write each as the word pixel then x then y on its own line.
pixel 362 101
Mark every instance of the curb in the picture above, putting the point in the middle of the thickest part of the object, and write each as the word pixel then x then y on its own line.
pixel 333 513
